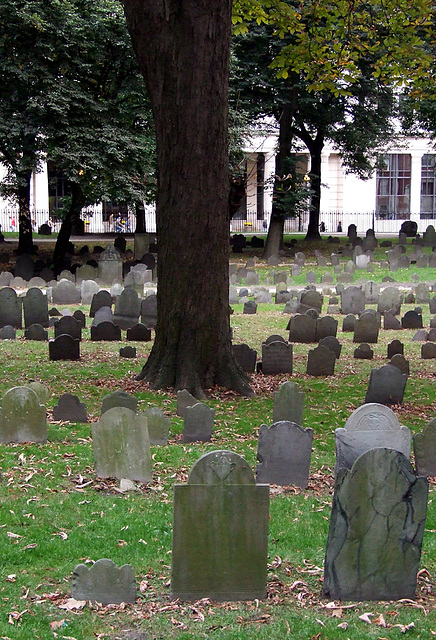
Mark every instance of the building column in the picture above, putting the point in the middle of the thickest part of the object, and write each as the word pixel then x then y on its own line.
pixel 415 185
pixel 270 169
pixel 325 181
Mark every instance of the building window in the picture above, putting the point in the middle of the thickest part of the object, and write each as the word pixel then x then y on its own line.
pixel 428 190
pixel 393 186
pixel 57 188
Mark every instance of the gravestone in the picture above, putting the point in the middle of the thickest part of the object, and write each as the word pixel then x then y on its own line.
pixel 320 362
pixel 121 445
pixel 420 336
pixel 371 291
pixel 88 289
pixel 86 272
pixel 128 352
pixel 66 293
pixel 35 307
pixel 424 447
pixel 390 321
pixel 110 266
pixel 105 331
pixel 198 423
pixel 11 307
pixel 276 357
pixel 24 267
pixel 158 426
pixel 127 308
pixel 288 403
pixel 104 582
pixel 395 347
pixel 302 329
pixel 100 299
pixel 22 417
pixel 245 357
pixel 36 332
pixel 220 531
pixel 390 298
pixel 363 352
pixel 68 325
pixel 139 333
pixel 283 452
pixel 366 329
pixel 428 351
pixel 70 409
pixel 399 361
pixel 352 300
pixel 371 426
pixel 119 398
pixel 348 323
pixel 386 385
pixel 311 300
pixel 250 307
pixel 64 347
pixel 104 314
pixel 184 400
pixel 333 344
pixel 7 333
pixel 411 320
pixel 325 327
pixel 149 311
pixel 376 529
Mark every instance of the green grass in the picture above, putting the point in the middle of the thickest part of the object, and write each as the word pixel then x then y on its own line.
pixel 60 514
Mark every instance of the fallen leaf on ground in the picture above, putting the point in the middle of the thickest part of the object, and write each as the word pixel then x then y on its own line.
pixel 72 604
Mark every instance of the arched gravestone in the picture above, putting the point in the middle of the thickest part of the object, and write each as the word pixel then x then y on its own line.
pixel 283 452
pixel 105 331
pixel 376 529
pixel 121 445
pixel 11 308
pixel 366 329
pixel 371 426
pixel 245 356
pixel 127 308
pixel 352 300
pixel 66 293
pixel 64 347
pixel 325 327
pixel 22 417
pixel 321 362
pixel 149 311
pixel 276 357
pixel 104 582
pixel 35 306
pixel 158 426
pixel 70 409
pixel 100 299
pixel 220 531
pixel 68 325
pixel 139 333
pixel 386 385
pixel 302 329
pixel 119 398
pixel 198 423
pixel 288 403
pixel 424 447
pixel 110 266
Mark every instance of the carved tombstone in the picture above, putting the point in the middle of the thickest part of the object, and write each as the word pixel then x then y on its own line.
pixel 104 582
pixel 220 531
pixel 110 266
pixel 276 357
pixel 424 447
pixel 376 529
pixel 119 398
pixel 158 425
pixel 321 362
pixel 22 417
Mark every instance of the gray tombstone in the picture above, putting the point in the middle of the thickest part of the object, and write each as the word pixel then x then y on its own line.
pixel 371 426
pixel 22 417
pixel 198 423
pixel 36 332
pixel 283 452
pixel 401 363
pixel 35 306
pixel 386 385
pixel 333 344
pixel 66 293
pixel 8 333
pixel 127 308
pixel 363 352
pixel 41 391
pixel 184 400
pixel 428 351
pixel 302 328
pixel 390 321
pixel 352 300
pixel 100 299
pixel 327 326
pixel 288 403
pixel 276 357
pixel 119 398
pixel 149 311
pixel 366 329
pixel 64 347
pixel 220 531
pixel 311 300
pixel 24 267
pixel 390 298
pixel 70 409
pixel 424 447
pixel 158 426
pixel 376 529
pixel 103 314
pixel 10 308
pixel 104 582
pixel 420 336
pixel 68 325
pixel 348 323
pixel 110 266
pixel 321 362
pixel 121 445
pixel 250 307
pixel 245 356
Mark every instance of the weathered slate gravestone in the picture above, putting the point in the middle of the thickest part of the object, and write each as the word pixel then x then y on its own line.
pixel 22 417
pixel 386 385
pixel 390 298
pixel 139 333
pixel 36 332
pixel 119 398
pixel 424 448
pixel 64 347
pixel 35 307
pixel 348 323
pixel 220 531
pixel 325 327
pixel 11 308
pixel 104 582
pixel 376 529
pixel 68 325
pixel 396 346
pixel 411 320
pixel 104 314
pixel 66 293
pixel 320 362
pixel 121 445
pixel 184 400
pixel 311 300
pixel 127 308
pixel 80 317
pixel 100 299
pixel 249 308
pixel 371 426
pixel 110 266
pixel 352 300
pixel 128 352
pixel 105 331
pixel 70 409
pixel 366 329
pixel 333 344
pixel 245 356
pixel 398 360
pixel 428 351
pixel 283 452
pixel 276 356
pixel 288 403
pixel 363 352
pixel 390 321
pixel 149 311
pixel 158 426
pixel 198 423
pixel 302 328
pixel 8 333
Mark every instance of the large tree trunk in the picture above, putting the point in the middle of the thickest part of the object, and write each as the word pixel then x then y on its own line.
pixel 315 149
pixel 25 241
pixel 183 51
pixel 71 218
pixel 140 218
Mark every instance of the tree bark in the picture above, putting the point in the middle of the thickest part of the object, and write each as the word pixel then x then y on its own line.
pixel 25 241
pixel 140 218
pixel 72 216
pixel 183 51
pixel 315 148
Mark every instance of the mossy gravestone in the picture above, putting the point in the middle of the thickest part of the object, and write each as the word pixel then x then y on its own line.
pixel 376 529
pixel 220 531
pixel 104 582
pixel 288 403
pixel 22 417
pixel 424 446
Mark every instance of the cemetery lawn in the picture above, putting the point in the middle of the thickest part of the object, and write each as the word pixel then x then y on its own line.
pixel 55 513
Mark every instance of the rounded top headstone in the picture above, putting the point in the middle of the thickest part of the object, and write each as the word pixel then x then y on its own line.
pixel 372 417
pixel 221 467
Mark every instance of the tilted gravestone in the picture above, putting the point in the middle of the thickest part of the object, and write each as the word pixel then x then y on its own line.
pixel 376 529
pixel 22 417
pixel 158 425
pixel 245 356
pixel 35 307
pixel 121 445
pixel 288 403
pixel 100 299
pixel 127 308
pixel 321 362
pixel 184 400
pixel 302 329
pixel 198 423
pixel 68 325
pixel 104 582
pixel 363 352
pixel 119 398
pixel 64 347
pixel 276 357
pixel 424 448
pixel 283 452
pixel 70 409
pixel 139 333
pixel 149 311
pixel 106 331
pixel 371 426
pixel 220 531
pixel 11 308
pixel 386 385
